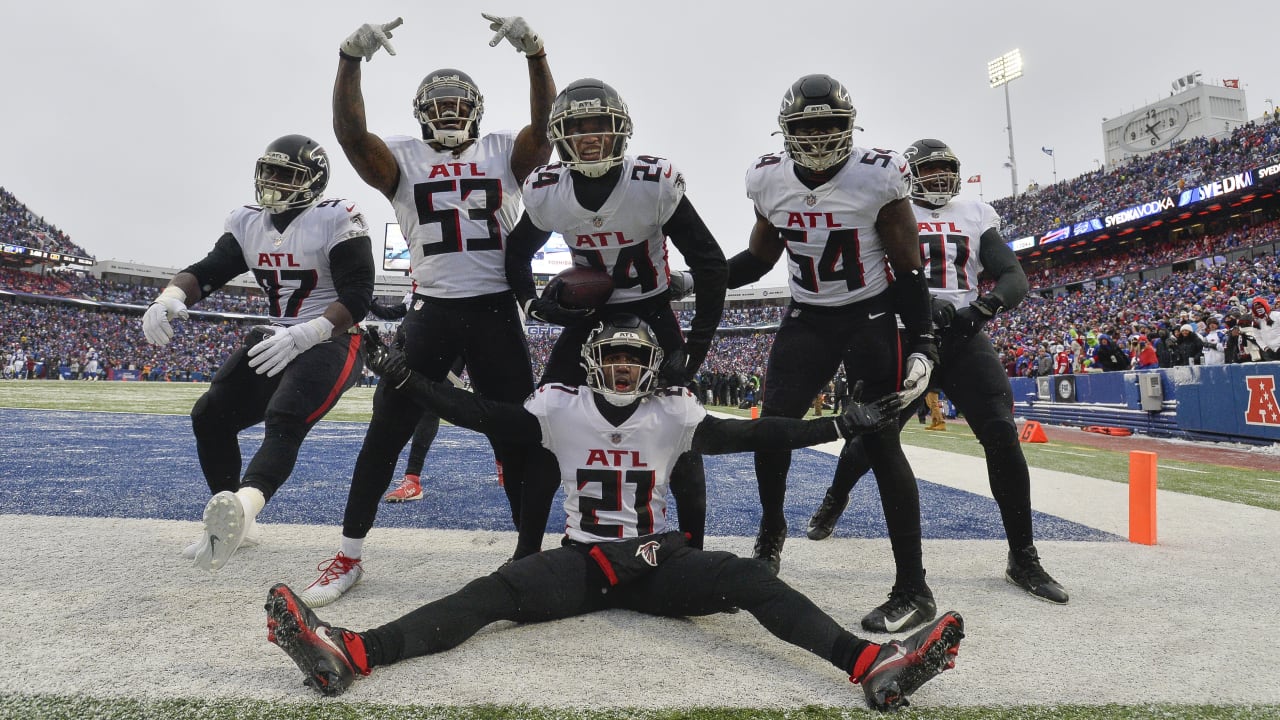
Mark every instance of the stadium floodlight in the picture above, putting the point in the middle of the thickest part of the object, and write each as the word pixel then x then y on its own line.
pixel 1002 71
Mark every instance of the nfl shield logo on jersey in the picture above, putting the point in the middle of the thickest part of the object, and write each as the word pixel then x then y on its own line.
pixel 649 553
pixel 615 438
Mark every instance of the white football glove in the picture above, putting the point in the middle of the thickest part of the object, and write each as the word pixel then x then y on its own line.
pixel 919 368
pixel 168 305
pixel 516 31
pixel 365 41
pixel 286 343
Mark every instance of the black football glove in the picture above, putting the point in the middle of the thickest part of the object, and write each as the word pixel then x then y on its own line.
pixel 970 320
pixel 387 363
pixel 547 307
pixel 943 313
pixel 674 371
pixel 860 418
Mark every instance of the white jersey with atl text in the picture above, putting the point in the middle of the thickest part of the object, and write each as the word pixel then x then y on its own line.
pixel 624 237
pixel 614 477
pixel 292 267
pixel 834 253
pixel 455 213
pixel 950 238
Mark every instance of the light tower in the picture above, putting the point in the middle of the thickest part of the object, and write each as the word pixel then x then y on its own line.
pixel 1002 71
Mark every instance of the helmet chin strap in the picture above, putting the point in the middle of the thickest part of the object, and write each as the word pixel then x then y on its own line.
pixel 618 399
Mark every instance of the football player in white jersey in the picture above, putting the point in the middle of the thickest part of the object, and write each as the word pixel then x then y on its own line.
pixel 456 196
pixel 616 212
pixel 840 213
pixel 616 438
pixel 959 241
pixel 312 259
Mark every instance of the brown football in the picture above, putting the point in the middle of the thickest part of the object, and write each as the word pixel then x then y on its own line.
pixel 584 287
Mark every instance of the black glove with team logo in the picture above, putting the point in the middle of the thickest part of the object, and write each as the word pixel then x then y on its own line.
pixel 389 364
pixel 547 308
pixel 970 320
pixel 861 418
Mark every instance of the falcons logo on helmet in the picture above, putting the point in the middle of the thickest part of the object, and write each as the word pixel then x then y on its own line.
pixel 649 553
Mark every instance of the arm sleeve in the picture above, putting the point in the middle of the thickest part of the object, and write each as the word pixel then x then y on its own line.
pixel 1000 263
pixel 498 420
pixel 710 276
pixel 351 265
pixel 522 244
pixel 717 436
pixel 223 263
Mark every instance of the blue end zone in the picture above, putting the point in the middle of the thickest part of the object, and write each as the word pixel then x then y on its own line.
pixel 145 466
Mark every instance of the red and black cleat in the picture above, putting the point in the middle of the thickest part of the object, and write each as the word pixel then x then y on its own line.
pixel 901 667
pixel 329 657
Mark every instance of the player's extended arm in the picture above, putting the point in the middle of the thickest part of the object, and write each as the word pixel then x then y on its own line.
pixel 522 244
pixel 533 146
pixel 762 253
pixel 366 152
pixel 499 420
pixel 710 275
pixel 999 262
pixel 716 436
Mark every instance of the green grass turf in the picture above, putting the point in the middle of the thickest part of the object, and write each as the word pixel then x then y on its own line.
pixel 45 707
pixel 1232 484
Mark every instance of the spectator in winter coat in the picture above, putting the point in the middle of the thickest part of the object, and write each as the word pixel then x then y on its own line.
pixel 1266 323
pixel 1147 358
pixel 1188 347
pixel 1109 356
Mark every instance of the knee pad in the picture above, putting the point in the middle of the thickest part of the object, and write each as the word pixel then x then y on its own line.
pixel 998 433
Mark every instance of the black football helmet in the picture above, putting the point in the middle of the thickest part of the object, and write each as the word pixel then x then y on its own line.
pixel 817 101
pixel 937 184
pixel 584 100
pixel 292 173
pixel 448 84
pixel 630 333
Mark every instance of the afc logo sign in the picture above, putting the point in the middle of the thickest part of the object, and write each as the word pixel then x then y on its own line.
pixel 1262 408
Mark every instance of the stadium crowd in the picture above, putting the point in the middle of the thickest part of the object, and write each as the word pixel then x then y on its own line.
pixel 63 323
pixel 20 226
pixel 1139 180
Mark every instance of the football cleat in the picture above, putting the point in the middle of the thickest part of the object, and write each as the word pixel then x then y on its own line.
pixel 903 611
pixel 937 426
pixel 768 548
pixel 1024 570
pixel 225 525
pixel 901 667
pixel 824 519
pixel 252 538
pixel 409 489
pixel 337 575
pixel 329 657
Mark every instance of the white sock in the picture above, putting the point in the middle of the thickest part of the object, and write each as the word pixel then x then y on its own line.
pixel 253 501
pixel 351 547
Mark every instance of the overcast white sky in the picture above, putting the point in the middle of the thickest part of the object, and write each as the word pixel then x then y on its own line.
pixel 134 126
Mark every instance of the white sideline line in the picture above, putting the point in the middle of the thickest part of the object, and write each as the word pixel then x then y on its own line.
pixel 1065 452
pixel 1268 480
pixel 1170 467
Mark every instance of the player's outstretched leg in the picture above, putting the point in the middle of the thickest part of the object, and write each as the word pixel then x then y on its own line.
pixel 901 667
pixel 329 657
